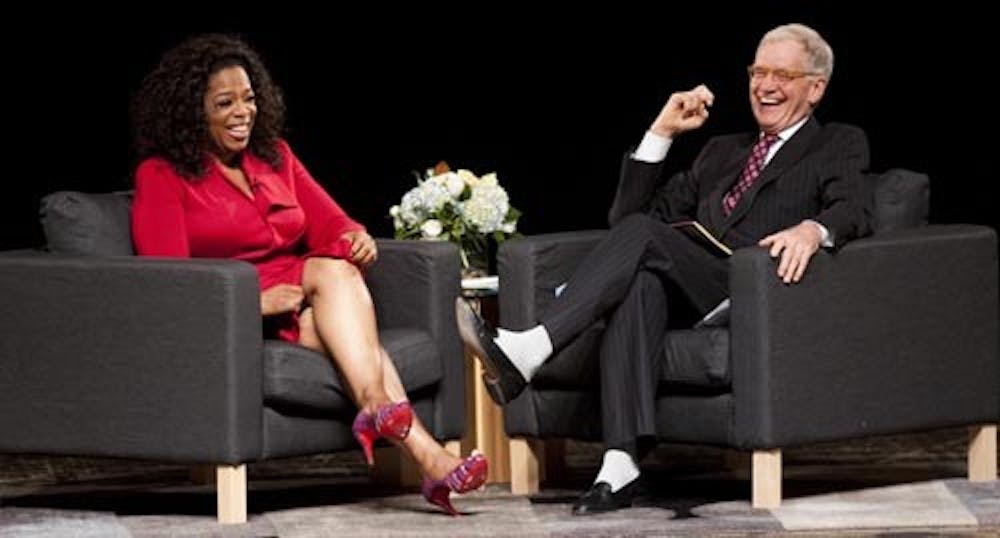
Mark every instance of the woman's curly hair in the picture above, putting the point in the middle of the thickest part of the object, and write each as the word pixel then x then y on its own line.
pixel 168 111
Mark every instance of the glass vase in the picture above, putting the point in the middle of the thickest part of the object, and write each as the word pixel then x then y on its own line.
pixel 478 257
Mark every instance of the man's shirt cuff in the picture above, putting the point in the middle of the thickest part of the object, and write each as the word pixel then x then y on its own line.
pixel 826 238
pixel 653 148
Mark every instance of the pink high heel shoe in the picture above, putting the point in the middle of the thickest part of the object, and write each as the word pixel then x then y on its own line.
pixel 469 475
pixel 391 421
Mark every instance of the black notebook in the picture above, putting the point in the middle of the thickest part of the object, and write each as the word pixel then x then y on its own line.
pixel 699 233
pixel 718 317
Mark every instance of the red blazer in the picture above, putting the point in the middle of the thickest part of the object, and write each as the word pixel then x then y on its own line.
pixel 289 219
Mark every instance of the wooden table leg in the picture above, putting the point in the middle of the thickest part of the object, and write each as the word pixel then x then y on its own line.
pixel 485 431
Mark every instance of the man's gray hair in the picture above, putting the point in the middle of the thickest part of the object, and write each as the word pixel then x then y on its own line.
pixel 819 55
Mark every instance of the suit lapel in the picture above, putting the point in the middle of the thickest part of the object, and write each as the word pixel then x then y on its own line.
pixel 789 154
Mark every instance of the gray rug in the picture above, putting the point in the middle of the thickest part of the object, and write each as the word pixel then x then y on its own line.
pixel 893 485
pixel 293 509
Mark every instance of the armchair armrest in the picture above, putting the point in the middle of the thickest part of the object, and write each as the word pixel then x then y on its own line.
pixel 414 285
pixel 896 332
pixel 532 267
pixel 130 357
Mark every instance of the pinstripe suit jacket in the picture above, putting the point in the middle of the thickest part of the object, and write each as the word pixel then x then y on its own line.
pixel 816 175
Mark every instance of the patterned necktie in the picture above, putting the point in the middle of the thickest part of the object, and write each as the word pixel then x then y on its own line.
pixel 750 172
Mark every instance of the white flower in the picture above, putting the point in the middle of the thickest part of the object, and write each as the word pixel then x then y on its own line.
pixel 484 216
pixel 468 177
pixel 457 206
pixel 493 195
pixel 455 185
pixel 489 179
pixel 431 228
pixel 411 209
pixel 433 195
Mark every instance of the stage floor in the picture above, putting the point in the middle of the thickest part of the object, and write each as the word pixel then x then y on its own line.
pixel 907 485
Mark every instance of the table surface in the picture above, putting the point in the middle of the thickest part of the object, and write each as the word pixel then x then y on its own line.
pixel 481 286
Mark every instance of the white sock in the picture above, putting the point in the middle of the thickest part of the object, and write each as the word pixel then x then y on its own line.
pixel 618 469
pixel 526 349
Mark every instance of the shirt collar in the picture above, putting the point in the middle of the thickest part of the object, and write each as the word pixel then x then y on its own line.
pixel 788 132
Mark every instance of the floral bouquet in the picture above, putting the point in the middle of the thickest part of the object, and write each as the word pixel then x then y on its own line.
pixel 458 207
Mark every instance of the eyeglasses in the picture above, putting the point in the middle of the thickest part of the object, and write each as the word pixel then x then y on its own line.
pixel 781 76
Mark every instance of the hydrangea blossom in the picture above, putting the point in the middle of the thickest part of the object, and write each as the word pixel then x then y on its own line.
pixel 459 207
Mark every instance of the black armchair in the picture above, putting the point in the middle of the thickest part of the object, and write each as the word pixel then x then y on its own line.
pixel 154 358
pixel 895 333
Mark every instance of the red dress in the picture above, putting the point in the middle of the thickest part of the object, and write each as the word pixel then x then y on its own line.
pixel 290 218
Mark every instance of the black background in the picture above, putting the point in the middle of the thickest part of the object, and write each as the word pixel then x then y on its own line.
pixel 549 102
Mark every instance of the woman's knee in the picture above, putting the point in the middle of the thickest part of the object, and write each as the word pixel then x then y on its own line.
pixel 320 271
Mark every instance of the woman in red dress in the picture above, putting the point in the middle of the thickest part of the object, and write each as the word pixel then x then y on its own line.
pixel 216 180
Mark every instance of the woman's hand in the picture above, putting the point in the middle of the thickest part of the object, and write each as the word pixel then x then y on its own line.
pixel 280 299
pixel 363 249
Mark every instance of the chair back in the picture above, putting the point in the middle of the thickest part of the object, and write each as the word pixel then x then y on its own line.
pixel 900 199
pixel 88 224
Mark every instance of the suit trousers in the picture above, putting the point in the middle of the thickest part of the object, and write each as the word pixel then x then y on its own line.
pixel 625 279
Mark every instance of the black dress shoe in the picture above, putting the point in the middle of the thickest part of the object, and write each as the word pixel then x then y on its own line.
pixel 503 381
pixel 599 498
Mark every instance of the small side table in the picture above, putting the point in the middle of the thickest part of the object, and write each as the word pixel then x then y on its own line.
pixel 484 428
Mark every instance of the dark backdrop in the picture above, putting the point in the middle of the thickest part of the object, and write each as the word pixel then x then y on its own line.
pixel 549 102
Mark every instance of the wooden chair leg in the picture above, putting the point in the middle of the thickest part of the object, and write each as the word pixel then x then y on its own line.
pixel 983 453
pixel 527 459
pixel 766 478
pixel 231 493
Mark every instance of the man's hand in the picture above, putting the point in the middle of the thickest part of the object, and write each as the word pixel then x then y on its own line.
pixel 684 111
pixel 363 249
pixel 280 299
pixel 795 245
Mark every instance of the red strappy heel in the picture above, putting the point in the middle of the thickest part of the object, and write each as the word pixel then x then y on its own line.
pixel 469 475
pixel 391 421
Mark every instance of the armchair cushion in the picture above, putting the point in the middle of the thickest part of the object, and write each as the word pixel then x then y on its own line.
pixel 296 377
pixel 901 200
pixel 88 224
pixel 697 357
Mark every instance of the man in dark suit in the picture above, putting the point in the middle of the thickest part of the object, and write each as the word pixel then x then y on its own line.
pixel 791 187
